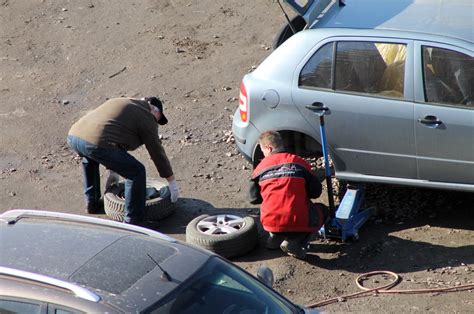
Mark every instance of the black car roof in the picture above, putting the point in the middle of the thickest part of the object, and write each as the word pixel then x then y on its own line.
pixel 124 267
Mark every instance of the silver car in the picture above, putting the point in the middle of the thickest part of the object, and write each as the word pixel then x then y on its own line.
pixel 397 79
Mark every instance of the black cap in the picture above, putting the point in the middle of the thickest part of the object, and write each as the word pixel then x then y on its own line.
pixel 155 101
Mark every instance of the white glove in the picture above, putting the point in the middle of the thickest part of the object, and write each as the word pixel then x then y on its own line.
pixel 174 190
pixel 112 179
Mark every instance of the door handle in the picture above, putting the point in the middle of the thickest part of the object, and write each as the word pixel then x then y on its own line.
pixel 317 107
pixel 431 120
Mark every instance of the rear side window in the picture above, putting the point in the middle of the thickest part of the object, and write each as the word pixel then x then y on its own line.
pixel 317 72
pixel 448 76
pixel 362 67
pixel 11 306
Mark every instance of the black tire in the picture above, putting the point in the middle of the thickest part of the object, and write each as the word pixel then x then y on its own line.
pixel 156 208
pixel 286 32
pixel 232 244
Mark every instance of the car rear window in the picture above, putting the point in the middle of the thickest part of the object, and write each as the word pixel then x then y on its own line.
pixel 122 264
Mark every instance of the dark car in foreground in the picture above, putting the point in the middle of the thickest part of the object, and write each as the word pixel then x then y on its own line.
pixel 61 263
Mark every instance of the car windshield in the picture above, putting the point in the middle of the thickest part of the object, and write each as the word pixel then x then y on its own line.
pixel 219 287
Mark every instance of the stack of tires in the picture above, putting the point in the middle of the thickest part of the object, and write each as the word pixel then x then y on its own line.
pixel 158 204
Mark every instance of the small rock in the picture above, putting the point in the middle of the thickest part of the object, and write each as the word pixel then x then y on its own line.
pixel 161 37
pixel 179 50
pixel 228 154
pixel 65 102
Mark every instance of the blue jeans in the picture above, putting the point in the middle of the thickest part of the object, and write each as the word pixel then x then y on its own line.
pixel 119 161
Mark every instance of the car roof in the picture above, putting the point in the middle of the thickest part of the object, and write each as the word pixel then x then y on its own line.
pixel 453 18
pixel 123 265
pixel 297 47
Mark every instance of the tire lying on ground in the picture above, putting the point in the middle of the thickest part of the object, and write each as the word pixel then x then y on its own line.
pixel 157 207
pixel 227 234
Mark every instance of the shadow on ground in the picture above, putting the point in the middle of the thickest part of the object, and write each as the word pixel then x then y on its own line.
pixel 399 237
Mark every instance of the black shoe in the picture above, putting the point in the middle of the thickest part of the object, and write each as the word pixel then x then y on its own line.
pixel 95 208
pixel 274 241
pixel 293 248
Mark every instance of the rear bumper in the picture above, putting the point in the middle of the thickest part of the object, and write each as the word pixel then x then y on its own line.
pixel 245 135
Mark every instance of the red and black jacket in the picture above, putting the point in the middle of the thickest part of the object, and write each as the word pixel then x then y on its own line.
pixel 284 184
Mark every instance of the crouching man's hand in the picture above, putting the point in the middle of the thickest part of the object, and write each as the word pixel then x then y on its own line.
pixel 174 189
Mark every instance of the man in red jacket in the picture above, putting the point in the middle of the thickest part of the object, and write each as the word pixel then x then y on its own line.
pixel 284 183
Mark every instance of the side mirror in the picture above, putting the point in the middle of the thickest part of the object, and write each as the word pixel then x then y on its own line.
pixel 265 275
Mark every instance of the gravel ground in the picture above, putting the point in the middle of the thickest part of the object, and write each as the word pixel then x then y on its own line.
pixel 59 59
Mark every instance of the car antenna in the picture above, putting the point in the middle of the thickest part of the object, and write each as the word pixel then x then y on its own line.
pixel 287 18
pixel 164 274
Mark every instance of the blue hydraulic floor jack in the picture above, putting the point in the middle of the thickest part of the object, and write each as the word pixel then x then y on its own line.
pixel 345 221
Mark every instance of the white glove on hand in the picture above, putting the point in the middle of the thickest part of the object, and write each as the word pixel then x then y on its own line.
pixel 174 190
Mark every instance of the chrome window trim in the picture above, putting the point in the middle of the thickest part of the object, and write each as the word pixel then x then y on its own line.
pixel 78 291
pixel 13 216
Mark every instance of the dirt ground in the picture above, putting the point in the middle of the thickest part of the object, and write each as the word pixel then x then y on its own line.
pixel 59 59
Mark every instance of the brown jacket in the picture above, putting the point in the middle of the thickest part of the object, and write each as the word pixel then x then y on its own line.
pixel 125 122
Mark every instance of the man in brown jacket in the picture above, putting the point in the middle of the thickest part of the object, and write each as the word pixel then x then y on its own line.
pixel 106 134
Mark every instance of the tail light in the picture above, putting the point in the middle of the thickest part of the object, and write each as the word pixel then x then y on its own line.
pixel 243 103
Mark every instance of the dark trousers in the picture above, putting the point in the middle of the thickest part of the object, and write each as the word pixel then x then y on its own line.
pixel 119 161
pixel 318 215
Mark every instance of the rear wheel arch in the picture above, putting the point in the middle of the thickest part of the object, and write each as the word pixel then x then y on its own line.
pixel 296 142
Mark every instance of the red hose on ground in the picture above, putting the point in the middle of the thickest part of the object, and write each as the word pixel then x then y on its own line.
pixel 386 289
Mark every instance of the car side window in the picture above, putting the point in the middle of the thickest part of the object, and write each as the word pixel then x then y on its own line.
pixel 361 67
pixel 448 76
pixel 370 68
pixel 13 306
pixel 317 71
